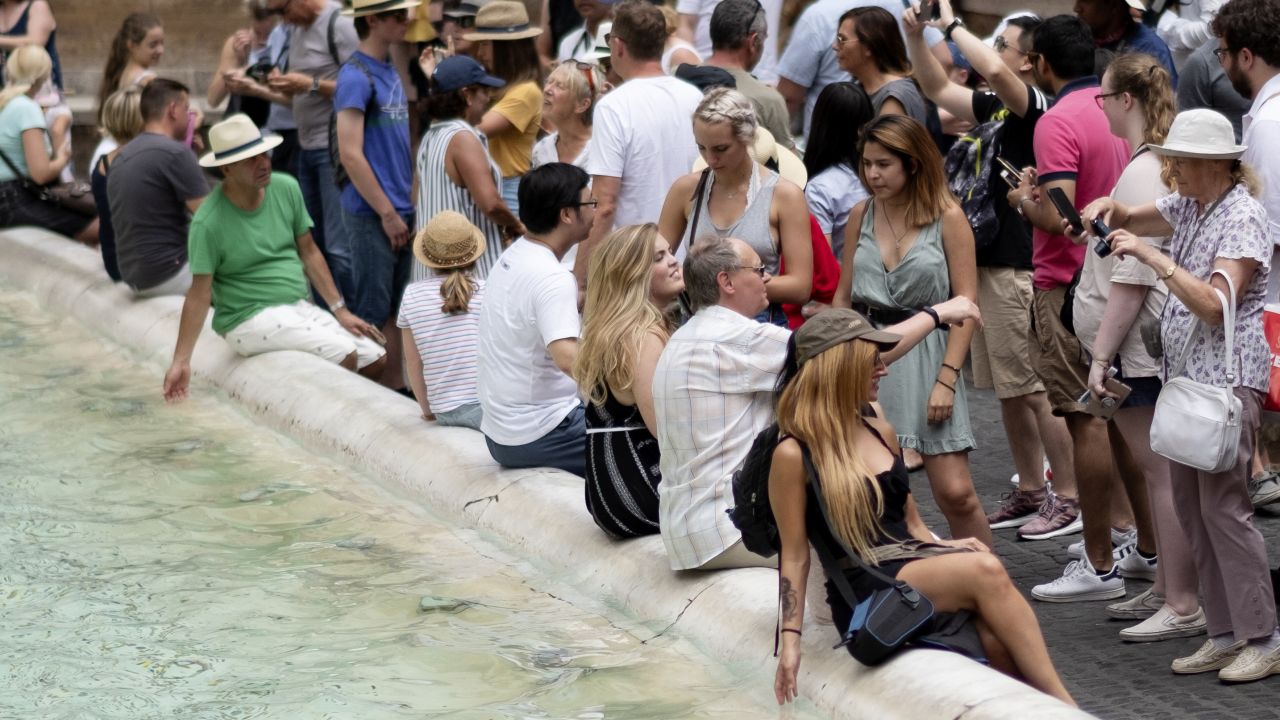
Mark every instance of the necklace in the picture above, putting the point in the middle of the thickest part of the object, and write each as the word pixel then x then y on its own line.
pixel 897 236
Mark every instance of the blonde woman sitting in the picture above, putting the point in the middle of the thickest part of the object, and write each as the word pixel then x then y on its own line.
pixel 633 278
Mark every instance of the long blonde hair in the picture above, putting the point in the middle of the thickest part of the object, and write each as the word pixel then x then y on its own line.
pixel 618 311
pixel 819 407
pixel 29 66
pixel 456 289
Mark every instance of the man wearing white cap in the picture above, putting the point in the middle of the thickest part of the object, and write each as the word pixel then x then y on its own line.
pixel 251 254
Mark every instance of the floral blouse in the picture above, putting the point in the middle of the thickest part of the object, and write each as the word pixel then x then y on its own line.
pixel 1236 228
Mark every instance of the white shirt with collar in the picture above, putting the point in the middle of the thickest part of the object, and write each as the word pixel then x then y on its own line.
pixel 1261 133
pixel 712 394
pixel 576 44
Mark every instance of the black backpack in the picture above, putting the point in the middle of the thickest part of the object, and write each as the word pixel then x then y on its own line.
pixel 751 512
pixel 969 167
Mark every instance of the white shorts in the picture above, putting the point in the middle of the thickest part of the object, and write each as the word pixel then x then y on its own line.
pixel 305 328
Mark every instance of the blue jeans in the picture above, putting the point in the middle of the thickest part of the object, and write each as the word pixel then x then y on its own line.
pixel 380 273
pixel 510 194
pixel 324 205
pixel 565 447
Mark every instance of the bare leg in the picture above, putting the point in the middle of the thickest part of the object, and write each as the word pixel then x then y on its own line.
pixel 997 654
pixel 1094 474
pixel 1132 488
pixel 952 486
pixel 89 235
pixel 373 370
pixel 349 362
pixel 977 581
pixel 1057 446
pixel 1023 433
pixel 393 369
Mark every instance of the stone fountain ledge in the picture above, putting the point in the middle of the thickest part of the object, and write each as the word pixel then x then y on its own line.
pixel 541 513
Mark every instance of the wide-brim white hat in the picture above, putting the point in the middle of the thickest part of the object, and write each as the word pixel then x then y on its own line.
pixel 764 149
pixel 362 8
pixel 1200 133
pixel 235 139
pixel 600 47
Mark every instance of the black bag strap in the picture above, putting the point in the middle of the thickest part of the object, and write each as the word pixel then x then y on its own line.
pixel 697 205
pixel 332 38
pixel 13 168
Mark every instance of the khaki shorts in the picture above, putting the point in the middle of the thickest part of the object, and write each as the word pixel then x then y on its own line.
pixel 303 327
pixel 1000 354
pixel 1056 353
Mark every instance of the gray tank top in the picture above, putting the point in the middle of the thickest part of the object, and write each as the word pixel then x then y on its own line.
pixel 752 227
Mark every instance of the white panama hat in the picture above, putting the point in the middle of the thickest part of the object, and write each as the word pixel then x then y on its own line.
pixel 363 8
pixel 236 139
pixel 1200 133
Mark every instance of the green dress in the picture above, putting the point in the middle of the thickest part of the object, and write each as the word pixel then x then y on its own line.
pixel 921 279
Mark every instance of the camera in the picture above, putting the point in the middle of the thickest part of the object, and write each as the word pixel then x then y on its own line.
pixel 1102 247
pixel 259 72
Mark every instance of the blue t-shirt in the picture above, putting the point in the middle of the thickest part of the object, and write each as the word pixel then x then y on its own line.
pixel 21 114
pixel 386 131
pixel 1143 39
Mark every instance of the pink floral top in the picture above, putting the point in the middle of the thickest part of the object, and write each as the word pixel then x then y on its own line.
pixel 1236 228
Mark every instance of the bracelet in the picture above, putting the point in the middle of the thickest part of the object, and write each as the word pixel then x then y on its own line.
pixel 793 630
pixel 952 388
pixel 952 368
pixel 1104 364
pixel 334 308
pixel 928 310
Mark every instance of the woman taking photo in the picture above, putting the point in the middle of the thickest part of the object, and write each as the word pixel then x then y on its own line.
pixel 634 278
pixel 738 197
pixel 27 155
pixel 454 171
pixel 504 45
pixel 1217 227
pixel 568 99
pixel 914 248
pixel 869 47
pixel 831 158
pixel 835 363
pixel 1117 302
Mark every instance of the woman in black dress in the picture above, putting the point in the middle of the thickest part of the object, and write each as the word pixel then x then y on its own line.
pixel 833 368
pixel 632 279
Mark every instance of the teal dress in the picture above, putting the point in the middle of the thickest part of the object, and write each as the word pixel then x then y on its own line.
pixel 921 279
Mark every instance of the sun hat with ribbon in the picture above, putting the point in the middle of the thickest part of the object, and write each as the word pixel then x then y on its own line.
pixel 502 20
pixel 448 241
pixel 362 8
pixel 236 139
pixel 1200 133
pixel 768 152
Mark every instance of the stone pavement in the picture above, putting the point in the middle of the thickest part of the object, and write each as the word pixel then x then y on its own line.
pixel 1113 680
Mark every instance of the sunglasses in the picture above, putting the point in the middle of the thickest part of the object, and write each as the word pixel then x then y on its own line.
pixel 1001 44
pixel 279 9
pixel 757 269
pixel 593 202
pixel 586 70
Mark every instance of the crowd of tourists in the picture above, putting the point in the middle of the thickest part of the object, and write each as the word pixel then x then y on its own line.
pixel 639 243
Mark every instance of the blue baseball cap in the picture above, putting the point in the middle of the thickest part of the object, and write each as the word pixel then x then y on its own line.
pixel 460 71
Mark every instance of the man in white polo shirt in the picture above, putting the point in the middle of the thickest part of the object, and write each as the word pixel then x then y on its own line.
pixel 529 329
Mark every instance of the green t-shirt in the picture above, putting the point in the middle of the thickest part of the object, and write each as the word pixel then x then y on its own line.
pixel 252 256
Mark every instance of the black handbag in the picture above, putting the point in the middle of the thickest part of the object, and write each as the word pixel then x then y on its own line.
pixel 76 196
pixel 886 620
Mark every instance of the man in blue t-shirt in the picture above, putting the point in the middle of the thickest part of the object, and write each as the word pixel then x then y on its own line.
pixel 373 145
pixel 1114 28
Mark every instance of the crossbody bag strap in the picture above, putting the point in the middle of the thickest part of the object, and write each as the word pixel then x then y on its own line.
pixel 812 477
pixel 1228 305
pixel 697 206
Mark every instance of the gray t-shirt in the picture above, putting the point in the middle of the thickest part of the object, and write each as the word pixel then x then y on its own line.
pixel 903 90
pixel 148 188
pixel 309 54
pixel 1203 84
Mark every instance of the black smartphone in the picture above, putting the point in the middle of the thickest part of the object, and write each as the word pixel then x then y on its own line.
pixel 1101 230
pixel 1066 210
pixel 1010 179
pixel 930 10
pixel 1013 170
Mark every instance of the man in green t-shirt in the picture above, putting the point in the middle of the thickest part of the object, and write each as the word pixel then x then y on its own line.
pixel 251 253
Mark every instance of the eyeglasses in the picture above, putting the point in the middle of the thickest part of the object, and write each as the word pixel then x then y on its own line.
pixel 592 202
pixel 757 269
pixel 841 39
pixel 279 9
pixel 1222 53
pixel 1001 44
pixel 1100 97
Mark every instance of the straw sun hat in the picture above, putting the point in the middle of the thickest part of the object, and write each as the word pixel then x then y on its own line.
pixel 765 149
pixel 448 241
pixel 502 20
pixel 1200 133
pixel 236 139
pixel 361 8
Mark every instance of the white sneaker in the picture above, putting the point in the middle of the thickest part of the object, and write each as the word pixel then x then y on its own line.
pixel 1048 475
pixel 1079 583
pixel 1166 624
pixel 1119 538
pixel 1133 565
pixel 1138 607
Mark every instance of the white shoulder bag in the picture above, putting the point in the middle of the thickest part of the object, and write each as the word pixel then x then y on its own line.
pixel 1195 423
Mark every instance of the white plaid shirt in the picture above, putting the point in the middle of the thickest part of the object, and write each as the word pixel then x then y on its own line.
pixel 712 393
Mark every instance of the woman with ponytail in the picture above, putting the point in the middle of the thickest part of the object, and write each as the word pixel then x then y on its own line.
pixel 135 50
pixel 440 321
pixel 27 157
pixel 831 376
pixel 632 279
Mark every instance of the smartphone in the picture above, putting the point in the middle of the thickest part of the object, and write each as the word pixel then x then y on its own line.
pixel 930 10
pixel 1013 170
pixel 1009 179
pixel 1104 408
pixel 1066 210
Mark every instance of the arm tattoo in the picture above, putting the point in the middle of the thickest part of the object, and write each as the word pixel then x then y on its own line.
pixel 787 596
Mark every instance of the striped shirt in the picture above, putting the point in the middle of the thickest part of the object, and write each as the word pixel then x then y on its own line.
pixel 446 343
pixel 437 191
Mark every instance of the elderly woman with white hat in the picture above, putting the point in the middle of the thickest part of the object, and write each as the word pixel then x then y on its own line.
pixel 440 321
pixel 1221 247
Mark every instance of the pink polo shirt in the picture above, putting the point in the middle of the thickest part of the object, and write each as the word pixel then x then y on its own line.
pixel 1073 142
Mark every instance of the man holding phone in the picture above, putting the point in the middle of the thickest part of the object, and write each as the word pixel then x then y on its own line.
pixel 1077 155
pixel 1000 352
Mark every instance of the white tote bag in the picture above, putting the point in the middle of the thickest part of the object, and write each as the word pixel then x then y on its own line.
pixel 1195 423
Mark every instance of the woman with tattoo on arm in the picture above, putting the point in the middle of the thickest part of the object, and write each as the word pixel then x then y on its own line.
pixel 832 373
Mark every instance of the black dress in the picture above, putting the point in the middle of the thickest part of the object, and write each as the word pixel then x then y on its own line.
pixel 947 631
pixel 623 471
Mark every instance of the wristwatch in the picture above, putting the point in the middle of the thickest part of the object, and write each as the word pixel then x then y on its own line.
pixel 956 23
pixel 315 86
